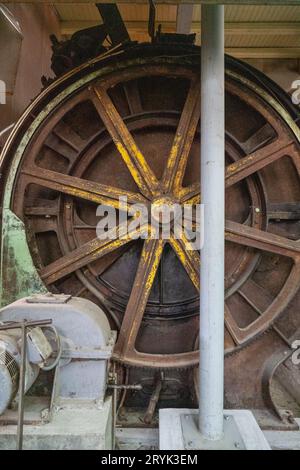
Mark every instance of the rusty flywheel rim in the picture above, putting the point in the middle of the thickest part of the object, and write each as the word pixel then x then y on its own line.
pixel 243 166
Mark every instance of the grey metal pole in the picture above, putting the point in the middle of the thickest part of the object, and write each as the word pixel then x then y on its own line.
pixel 211 370
pixel 22 387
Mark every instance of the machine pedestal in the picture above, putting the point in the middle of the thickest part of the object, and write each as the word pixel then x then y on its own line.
pixel 178 430
pixel 70 428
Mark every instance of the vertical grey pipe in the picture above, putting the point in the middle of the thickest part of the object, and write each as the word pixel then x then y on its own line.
pixel 211 370
pixel 22 388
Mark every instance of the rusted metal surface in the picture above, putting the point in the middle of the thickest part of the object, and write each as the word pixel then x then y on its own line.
pixel 271 366
pixel 129 126
pixel 154 398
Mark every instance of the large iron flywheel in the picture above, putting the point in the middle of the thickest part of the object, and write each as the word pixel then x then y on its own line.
pixel 128 125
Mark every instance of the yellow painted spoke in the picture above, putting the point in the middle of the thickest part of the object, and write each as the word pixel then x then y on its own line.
pixel 185 134
pixel 190 194
pixel 145 275
pixel 87 253
pixel 84 189
pixel 189 258
pixel 128 149
pixel 257 160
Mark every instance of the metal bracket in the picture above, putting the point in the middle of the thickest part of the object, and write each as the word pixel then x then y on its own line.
pixel 151 21
pixel 114 23
pixel 193 440
pixel 272 364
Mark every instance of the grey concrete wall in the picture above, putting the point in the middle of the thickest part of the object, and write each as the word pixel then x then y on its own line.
pixel 37 22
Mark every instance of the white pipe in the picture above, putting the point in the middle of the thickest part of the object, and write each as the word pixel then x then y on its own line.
pixel 211 370
pixel 184 18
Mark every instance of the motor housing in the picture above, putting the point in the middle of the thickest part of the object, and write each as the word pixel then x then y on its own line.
pixel 85 343
pixel 10 359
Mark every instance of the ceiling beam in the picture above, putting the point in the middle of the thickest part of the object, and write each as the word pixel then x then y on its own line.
pixel 265 28
pixel 264 52
pixel 140 28
pixel 244 28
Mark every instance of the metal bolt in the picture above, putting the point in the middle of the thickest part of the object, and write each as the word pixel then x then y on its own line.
pixel 68 206
pixel 257 210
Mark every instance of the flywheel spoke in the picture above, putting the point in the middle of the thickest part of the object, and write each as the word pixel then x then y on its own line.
pixel 190 194
pixel 242 335
pixel 245 235
pixel 184 137
pixel 127 147
pixel 244 167
pixel 87 253
pixel 147 268
pixel 81 188
pixel 107 262
pixel 189 258
pixel 232 328
pixel 133 97
pixel 265 241
pixel 257 160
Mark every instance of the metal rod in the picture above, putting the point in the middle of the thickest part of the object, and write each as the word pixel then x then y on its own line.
pixel 211 369
pixel 21 389
pixel 125 387
pixel 14 325
pixel 114 406
pixel 154 399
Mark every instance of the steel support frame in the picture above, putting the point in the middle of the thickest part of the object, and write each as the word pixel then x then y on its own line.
pixel 211 369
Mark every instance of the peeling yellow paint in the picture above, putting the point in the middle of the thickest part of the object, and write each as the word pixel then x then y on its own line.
pixel 184 252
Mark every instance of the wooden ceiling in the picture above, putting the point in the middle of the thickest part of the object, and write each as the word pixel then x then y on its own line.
pixel 251 31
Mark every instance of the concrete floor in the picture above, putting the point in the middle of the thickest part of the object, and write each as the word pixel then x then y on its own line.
pixel 148 439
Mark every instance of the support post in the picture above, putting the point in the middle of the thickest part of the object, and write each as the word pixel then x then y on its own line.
pixel 184 18
pixel 211 368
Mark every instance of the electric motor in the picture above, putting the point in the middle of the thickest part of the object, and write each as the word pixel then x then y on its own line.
pixel 10 360
pixel 9 374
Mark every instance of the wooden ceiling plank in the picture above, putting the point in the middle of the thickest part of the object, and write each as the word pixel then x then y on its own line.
pixel 245 28
pixel 171 2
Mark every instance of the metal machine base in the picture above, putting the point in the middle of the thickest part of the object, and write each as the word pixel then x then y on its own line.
pixel 178 430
